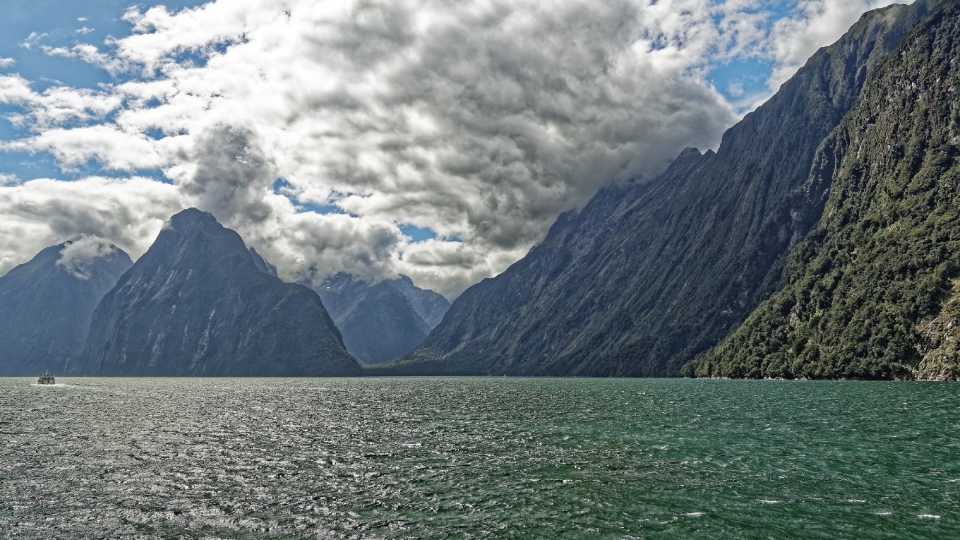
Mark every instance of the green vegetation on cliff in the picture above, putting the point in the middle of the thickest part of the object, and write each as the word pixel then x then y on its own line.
pixel 873 291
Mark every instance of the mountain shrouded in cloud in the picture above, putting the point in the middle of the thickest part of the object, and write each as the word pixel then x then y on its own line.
pixel 338 126
pixel 46 304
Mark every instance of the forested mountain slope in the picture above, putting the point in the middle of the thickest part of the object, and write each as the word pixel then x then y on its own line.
pixel 873 292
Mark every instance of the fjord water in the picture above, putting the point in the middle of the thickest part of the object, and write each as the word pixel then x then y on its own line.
pixel 479 458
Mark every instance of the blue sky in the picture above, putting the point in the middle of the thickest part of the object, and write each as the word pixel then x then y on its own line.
pixel 747 75
pixel 64 23
pixel 58 23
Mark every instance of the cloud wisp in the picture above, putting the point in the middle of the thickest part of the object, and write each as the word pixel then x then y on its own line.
pixel 77 255
pixel 480 121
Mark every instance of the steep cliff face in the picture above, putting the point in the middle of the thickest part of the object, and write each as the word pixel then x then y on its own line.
pixel 197 304
pixel 377 320
pixel 872 292
pixel 645 277
pixel 46 304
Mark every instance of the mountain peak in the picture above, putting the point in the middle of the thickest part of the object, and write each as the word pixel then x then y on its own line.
pixel 380 320
pixel 193 217
pixel 76 257
pixel 196 304
pixel 690 153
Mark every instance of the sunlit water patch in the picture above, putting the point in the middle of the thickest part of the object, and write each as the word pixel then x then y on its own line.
pixel 478 458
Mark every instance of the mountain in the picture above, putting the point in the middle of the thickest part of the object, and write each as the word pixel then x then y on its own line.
pixel 647 276
pixel 380 321
pixel 197 304
pixel 46 304
pixel 873 291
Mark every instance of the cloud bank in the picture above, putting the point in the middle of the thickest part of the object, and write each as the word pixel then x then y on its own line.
pixel 320 130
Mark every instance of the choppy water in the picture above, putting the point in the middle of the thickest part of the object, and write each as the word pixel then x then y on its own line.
pixel 478 458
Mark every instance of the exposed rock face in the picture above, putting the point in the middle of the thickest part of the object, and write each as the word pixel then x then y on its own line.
pixel 872 292
pixel 379 322
pixel 198 304
pixel 46 304
pixel 646 277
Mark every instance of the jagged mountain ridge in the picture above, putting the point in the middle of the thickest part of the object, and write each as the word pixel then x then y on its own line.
pixel 198 304
pixel 46 307
pixel 873 292
pixel 646 277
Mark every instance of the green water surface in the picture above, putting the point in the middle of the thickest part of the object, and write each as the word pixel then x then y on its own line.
pixel 479 458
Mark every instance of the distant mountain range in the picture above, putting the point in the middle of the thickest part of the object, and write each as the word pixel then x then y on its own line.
pixel 198 303
pixel 821 240
pixel 384 320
